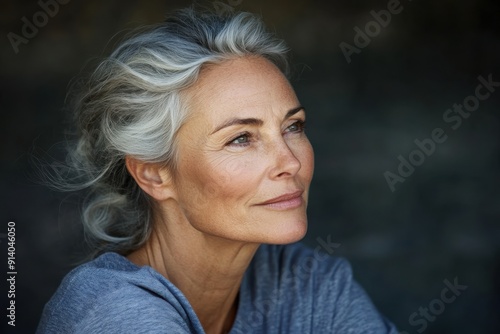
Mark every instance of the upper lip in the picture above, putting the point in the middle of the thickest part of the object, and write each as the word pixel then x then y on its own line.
pixel 284 197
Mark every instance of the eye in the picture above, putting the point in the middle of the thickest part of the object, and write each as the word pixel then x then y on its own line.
pixel 241 140
pixel 298 126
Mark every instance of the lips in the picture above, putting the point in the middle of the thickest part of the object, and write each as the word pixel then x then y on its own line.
pixel 283 198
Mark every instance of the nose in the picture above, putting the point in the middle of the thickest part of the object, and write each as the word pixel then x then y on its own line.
pixel 285 163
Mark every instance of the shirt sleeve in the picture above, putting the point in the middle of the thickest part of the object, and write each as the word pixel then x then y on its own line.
pixel 111 295
pixel 297 290
pixel 348 307
pixel 136 311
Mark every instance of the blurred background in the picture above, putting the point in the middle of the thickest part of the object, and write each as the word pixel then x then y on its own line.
pixel 371 89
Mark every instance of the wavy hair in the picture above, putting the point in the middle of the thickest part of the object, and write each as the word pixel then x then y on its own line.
pixel 132 105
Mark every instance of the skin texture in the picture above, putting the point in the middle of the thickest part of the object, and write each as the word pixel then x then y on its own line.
pixel 242 146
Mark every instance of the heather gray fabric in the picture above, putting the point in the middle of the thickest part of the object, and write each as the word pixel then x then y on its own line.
pixel 286 289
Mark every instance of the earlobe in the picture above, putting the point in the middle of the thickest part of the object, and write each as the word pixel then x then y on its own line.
pixel 153 178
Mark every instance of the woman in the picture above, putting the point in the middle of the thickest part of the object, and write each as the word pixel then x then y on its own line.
pixel 192 143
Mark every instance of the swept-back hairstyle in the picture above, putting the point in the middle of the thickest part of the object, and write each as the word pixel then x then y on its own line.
pixel 132 105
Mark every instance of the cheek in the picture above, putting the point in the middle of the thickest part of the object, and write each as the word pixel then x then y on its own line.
pixel 221 180
pixel 237 177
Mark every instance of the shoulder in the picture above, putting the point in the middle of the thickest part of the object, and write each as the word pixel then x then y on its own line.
pixel 296 266
pixel 112 295
pixel 308 289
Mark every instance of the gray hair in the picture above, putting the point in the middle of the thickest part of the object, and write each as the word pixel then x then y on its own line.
pixel 132 105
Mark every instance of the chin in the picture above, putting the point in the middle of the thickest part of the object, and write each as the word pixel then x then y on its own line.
pixel 288 233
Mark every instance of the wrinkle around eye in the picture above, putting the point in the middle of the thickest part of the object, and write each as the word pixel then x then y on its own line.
pixel 227 164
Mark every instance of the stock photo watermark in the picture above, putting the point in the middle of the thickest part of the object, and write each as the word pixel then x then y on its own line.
pixel 453 117
pixel 30 28
pixel 424 315
pixel 11 273
pixel 363 37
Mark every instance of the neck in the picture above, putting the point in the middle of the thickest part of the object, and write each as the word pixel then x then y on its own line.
pixel 207 269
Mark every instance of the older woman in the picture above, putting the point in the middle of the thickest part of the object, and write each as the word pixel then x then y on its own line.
pixel 192 143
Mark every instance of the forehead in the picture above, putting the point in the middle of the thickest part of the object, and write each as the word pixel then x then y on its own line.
pixel 240 87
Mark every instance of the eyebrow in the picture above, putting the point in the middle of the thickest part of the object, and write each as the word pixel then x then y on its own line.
pixel 253 121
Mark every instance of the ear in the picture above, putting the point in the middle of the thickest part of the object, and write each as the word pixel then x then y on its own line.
pixel 153 178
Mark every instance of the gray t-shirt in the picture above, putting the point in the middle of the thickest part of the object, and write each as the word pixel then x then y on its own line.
pixel 286 289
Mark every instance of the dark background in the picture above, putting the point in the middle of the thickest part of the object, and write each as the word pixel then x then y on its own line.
pixel 441 223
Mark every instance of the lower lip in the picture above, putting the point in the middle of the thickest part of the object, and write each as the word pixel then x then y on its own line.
pixel 285 205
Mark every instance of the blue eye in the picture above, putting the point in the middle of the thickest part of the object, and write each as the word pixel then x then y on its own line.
pixel 241 140
pixel 298 126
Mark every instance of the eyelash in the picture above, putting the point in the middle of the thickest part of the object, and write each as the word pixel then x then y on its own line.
pixel 300 128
